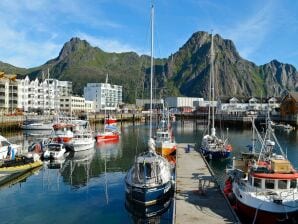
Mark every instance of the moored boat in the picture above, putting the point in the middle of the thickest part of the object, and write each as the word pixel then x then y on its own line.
pixel 212 146
pixel 267 189
pixel 149 180
pixel 19 164
pixel 164 140
pixel 62 132
pixel 54 151
pixel 36 125
pixel 110 133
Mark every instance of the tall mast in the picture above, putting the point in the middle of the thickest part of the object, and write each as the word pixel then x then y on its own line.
pixel 151 70
pixel 212 84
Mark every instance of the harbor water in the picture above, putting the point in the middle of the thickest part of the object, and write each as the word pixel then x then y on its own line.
pixel 88 187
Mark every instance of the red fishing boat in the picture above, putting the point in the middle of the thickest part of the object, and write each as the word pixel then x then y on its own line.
pixel 110 133
pixel 266 189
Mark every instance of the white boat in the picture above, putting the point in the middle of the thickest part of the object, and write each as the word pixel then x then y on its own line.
pixel 267 189
pixel 212 146
pixel 286 127
pixel 54 151
pixel 4 146
pixel 37 125
pixel 149 180
pixel 82 139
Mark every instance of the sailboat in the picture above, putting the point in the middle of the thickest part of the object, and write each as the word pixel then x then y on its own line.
pixel 149 181
pixel 212 146
pixel 110 131
pixel 267 188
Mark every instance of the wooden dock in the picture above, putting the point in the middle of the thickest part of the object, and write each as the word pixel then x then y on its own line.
pixel 198 198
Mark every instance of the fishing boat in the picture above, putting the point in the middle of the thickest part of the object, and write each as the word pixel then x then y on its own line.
pixel 266 189
pixel 164 139
pixel 212 146
pixel 62 132
pixel 149 180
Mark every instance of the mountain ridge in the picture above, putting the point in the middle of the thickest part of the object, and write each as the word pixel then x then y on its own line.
pixel 184 73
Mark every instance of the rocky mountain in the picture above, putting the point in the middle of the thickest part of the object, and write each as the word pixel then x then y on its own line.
pixel 186 72
pixel 189 68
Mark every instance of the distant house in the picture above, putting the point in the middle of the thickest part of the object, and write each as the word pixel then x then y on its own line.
pixel 289 105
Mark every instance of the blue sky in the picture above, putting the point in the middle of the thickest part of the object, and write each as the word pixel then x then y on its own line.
pixel 34 31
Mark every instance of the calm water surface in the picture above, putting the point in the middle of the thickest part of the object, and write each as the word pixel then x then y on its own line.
pixel 89 188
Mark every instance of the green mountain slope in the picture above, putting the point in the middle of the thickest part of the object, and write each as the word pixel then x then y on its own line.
pixel 186 72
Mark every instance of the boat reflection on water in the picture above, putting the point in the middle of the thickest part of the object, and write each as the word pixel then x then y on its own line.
pixel 109 149
pixel 54 164
pixel 147 214
pixel 9 180
pixel 76 168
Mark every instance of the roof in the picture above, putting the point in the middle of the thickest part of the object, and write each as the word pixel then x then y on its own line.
pixel 294 95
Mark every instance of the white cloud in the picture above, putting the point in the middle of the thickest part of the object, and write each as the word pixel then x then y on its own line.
pixel 110 45
pixel 249 34
pixel 19 50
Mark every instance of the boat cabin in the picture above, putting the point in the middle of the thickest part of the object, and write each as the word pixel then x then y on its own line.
pixel 163 136
pixel 273 184
pixel 275 174
pixel 148 170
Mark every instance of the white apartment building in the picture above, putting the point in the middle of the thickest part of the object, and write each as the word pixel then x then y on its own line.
pixel 104 95
pixel 8 95
pixel 26 95
pixel 75 105
pixel 45 95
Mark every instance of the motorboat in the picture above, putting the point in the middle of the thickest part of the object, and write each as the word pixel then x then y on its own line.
pixel 36 125
pixel 82 139
pixel 19 164
pixel 54 151
pixel 110 133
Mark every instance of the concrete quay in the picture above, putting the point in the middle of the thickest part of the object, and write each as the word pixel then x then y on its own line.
pixel 198 198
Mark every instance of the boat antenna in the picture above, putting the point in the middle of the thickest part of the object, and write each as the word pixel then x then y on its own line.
pixel 212 83
pixel 151 70
pixel 253 135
